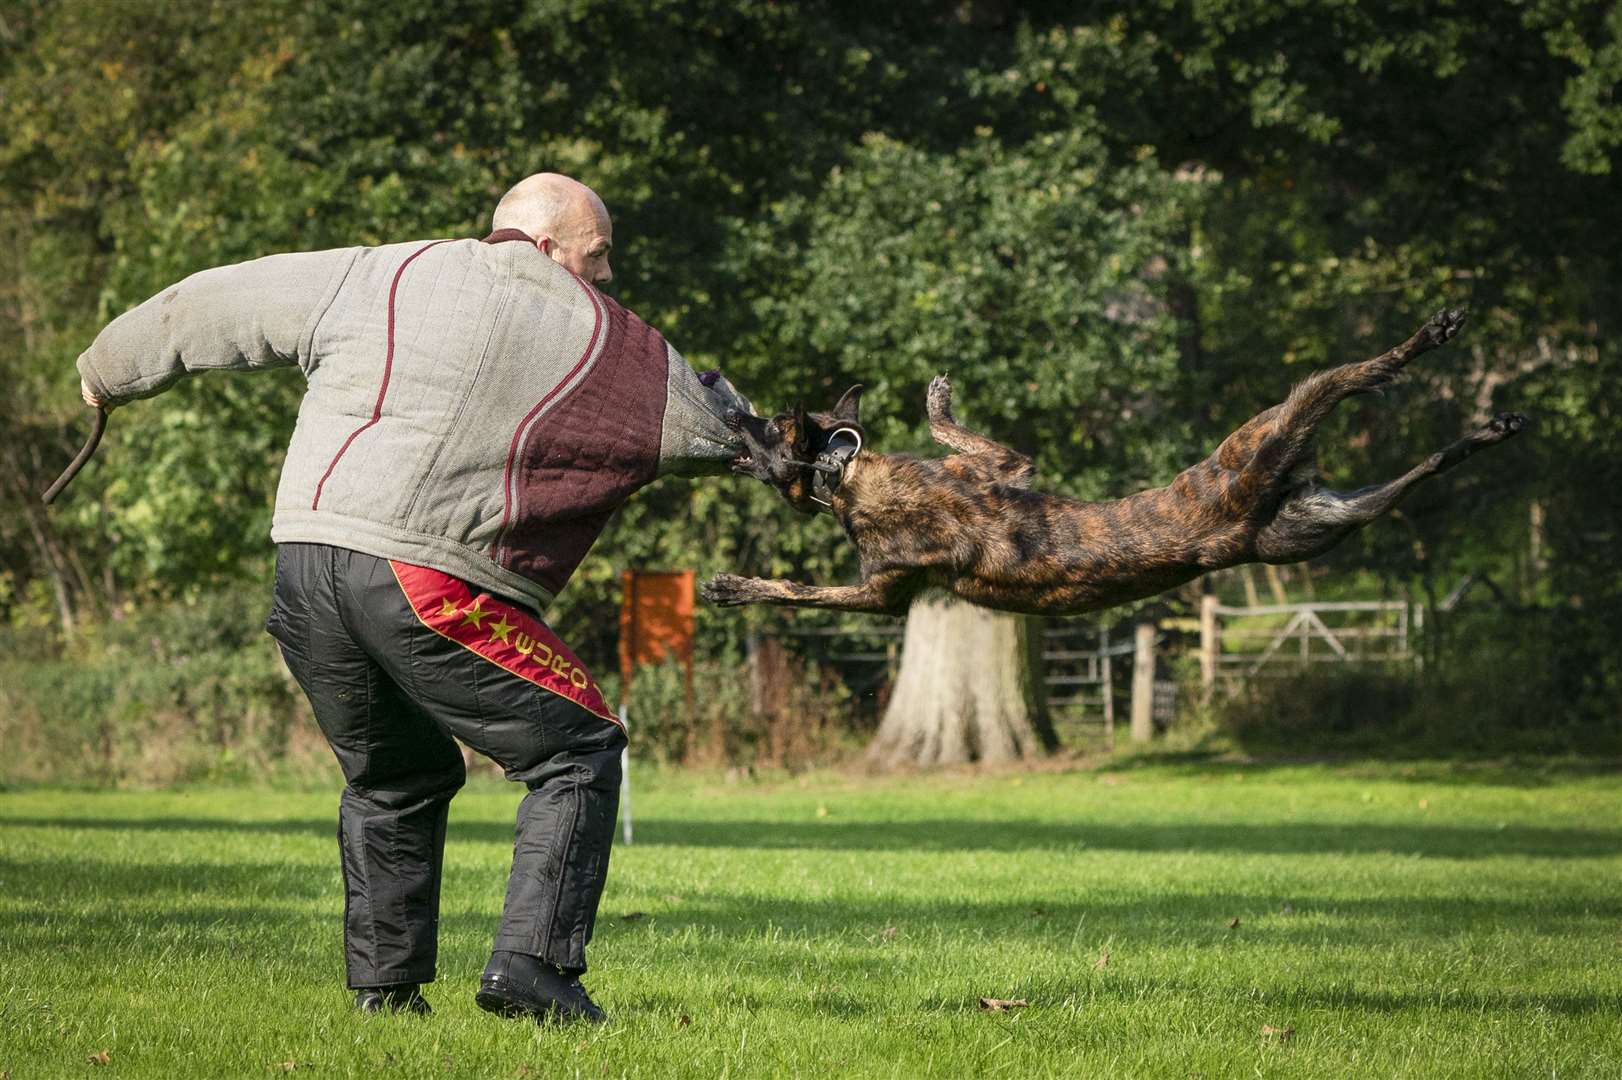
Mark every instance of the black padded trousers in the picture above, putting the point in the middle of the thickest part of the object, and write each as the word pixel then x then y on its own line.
pixel 388 693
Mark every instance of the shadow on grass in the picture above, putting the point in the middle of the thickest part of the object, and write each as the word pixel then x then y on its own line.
pixel 1083 918
pixel 1294 838
pixel 962 834
pixel 68 878
pixel 215 909
pixel 1457 771
pixel 1474 1001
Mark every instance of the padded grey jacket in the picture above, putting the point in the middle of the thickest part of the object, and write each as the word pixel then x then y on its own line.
pixel 472 406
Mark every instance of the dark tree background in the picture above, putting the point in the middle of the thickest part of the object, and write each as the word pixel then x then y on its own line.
pixel 1122 228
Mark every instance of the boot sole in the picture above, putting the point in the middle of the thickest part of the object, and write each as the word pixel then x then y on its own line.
pixel 492 1002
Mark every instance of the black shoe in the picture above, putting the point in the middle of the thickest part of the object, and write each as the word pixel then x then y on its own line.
pixel 401 997
pixel 517 985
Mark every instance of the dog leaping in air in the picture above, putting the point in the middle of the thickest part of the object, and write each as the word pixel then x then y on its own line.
pixel 970 525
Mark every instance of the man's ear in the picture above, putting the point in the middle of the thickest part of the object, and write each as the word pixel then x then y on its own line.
pixel 848 406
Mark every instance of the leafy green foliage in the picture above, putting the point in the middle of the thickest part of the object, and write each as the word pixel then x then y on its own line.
pixel 1122 228
pixel 179 692
pixel 1035 274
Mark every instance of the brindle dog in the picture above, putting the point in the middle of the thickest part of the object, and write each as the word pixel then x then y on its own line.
pixel 969 524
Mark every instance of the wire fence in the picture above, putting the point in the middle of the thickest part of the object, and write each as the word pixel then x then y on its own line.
pixel 1086 671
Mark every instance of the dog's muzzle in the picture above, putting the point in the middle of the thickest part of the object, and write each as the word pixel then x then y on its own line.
pixel 843 445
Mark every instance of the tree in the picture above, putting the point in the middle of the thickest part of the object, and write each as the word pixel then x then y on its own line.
pixel 86 94
pixel 1036 274
pixel 970 689
pixel 1122 227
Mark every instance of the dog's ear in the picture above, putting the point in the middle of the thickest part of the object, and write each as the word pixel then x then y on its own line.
pixel 849 406
pixel 802 428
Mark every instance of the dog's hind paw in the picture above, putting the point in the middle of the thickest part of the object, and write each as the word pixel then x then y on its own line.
pixel 1505 424
pixel 1444 326
pixel 726 590
pixel 938 401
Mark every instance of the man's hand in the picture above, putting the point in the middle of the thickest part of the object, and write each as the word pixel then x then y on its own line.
pixel 90 397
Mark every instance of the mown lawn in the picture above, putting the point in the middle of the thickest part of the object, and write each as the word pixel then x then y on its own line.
pixel 1159 920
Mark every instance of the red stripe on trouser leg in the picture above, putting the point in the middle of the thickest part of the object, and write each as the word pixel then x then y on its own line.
pixel 512 639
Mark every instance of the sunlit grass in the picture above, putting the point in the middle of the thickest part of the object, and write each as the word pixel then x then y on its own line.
pixel 1417 921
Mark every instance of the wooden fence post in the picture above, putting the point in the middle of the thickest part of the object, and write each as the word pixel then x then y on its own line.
pixel 1210 644
pixel 1143 683
pixel 1107 674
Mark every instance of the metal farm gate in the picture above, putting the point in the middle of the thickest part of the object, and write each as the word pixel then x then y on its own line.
pixel 1239 643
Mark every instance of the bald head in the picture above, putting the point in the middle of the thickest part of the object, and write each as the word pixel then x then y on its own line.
pixel 565 218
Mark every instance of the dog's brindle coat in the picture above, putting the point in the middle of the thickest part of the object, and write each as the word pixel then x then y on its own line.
pixel 969 524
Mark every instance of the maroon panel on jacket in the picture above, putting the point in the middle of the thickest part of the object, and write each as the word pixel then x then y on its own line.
pixel 588 453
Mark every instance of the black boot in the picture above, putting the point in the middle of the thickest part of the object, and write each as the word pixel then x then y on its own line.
pixel 401 997
pixel 518 985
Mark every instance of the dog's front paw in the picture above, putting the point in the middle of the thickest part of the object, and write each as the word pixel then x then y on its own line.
pixel 938 402
pixel 727 590
pixel 1444 325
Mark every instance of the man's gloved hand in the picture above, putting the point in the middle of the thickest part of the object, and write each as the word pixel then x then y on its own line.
pixel 90 397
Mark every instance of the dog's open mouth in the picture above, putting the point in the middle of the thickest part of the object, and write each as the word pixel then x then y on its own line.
pixel 746 464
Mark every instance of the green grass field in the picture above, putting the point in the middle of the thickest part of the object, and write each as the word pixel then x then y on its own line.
pixel 1164 920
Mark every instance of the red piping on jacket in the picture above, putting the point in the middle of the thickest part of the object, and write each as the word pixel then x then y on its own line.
pixel 513 451
pixel 388 367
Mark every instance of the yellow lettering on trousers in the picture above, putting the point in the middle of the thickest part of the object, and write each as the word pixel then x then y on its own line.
pixel 525 644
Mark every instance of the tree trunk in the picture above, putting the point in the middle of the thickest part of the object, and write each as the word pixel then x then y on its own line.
pixel 970 689
pixel 1275 581
pixel 1252 597
pixel 39 529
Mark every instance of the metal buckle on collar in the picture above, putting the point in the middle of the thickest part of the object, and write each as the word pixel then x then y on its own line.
pixel 843 445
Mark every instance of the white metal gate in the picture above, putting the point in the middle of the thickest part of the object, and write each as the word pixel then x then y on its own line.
pixel 1239 643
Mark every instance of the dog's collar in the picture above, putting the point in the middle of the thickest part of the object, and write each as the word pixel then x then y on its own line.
pixel 832 464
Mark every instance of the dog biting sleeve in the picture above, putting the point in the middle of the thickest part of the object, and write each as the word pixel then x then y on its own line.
pixel 696 439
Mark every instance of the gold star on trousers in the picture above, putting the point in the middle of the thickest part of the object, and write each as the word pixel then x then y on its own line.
pixel 472 615
pixel 500 628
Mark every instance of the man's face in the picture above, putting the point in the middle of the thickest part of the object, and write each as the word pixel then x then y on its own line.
pixel 582 241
